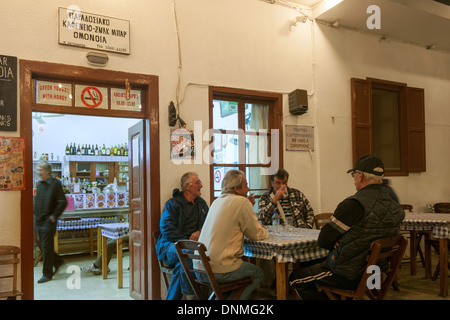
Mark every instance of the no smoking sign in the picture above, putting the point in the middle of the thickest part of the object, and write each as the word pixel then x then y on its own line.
pixel 92 97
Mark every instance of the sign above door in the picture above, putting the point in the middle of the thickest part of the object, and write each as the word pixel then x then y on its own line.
pixel 88 30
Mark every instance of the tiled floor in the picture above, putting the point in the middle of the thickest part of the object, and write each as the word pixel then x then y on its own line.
pixel 64 285
pixel 93 287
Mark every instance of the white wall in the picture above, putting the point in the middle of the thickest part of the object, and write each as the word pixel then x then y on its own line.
pixel 345 54
pixel 249 44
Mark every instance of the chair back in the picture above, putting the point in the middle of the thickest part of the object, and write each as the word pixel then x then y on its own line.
pixel 189 249
pixel 194 250
pixel 322 219
pixel 165 269
pixel 407 207
pixel 441 207
pixel 385 252
pixel 9 260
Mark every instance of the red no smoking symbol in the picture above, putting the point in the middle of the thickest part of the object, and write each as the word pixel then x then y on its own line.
pixel 217 176
pixel 91 97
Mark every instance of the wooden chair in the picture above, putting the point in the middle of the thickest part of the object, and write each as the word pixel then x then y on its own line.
pixel 387 249
pixel 188 249
pixel 9 272
pixel 166 271
pixel 322 219
pixel 444 208
pixel 407 207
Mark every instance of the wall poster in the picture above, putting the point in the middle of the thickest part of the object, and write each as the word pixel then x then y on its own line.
pixel 12 170
pixel 182 144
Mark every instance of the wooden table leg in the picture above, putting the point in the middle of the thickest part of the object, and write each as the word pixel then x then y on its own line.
pixel 282 280
pixel 104 258
pixel 91 241
pixel 119 264
pixel 99 241
pixel 413 252
pixel 443 253
pixel 427 255
pixel 55 242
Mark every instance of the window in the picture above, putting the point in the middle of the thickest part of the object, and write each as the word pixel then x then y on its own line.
pixel 242 122
pixel 388 120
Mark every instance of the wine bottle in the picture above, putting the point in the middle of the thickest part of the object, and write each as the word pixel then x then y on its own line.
pixel 103 150
pixel 67 149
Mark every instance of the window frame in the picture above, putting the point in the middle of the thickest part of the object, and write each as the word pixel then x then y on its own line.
pixel 411 123
pixel 242 96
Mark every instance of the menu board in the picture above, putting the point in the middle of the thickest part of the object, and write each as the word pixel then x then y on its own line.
pixel 8 93
pixel 12 170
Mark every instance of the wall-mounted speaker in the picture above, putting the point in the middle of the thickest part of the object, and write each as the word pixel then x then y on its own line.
pixel 298 102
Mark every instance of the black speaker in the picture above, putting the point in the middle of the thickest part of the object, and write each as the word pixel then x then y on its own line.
pixel 298 102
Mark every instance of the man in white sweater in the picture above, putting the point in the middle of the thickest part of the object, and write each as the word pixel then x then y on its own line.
pixel 230 218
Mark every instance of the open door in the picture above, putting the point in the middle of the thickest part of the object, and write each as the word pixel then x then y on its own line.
pixel 137 214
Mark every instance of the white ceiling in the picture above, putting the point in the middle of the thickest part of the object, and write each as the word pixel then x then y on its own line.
pixel 421 22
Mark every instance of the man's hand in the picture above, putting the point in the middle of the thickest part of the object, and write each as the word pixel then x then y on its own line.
pixel 195 236
pixel 251 198
pixel 280 194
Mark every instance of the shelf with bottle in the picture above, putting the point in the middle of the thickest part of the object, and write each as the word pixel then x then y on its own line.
pixel 118 150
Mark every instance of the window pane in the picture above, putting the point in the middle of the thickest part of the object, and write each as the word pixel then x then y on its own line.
pixel 225 115
pixel 219 173
pixel 226 148
pixel 386 127
pixel 257 149
pixel 256 180
pixel 256 117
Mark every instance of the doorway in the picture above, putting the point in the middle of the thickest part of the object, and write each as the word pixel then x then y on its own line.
pixel 56 136
pixel 29 72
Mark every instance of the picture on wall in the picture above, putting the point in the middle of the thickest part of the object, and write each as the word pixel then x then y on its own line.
pixel 12 172
pixel 182 144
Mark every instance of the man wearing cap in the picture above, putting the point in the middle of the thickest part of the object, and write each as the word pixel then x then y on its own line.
pixel 360 219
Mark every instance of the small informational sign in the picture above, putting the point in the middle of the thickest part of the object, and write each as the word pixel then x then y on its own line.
pixel 54 93
pixel 12 170
pixel 299 138
pixel 91 97
pixel 89 30
pixel 123 100
pixel 8 93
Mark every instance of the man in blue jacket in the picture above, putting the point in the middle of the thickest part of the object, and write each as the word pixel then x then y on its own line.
pixel 182 219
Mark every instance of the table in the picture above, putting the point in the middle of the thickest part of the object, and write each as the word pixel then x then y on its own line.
pixel 113 231
pixel 78 224
pixel 439 224
pixel 297 245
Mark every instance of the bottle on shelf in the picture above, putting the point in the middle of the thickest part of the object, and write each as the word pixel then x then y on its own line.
pixel 67 149
pixel 78 150
pixel 115 150
pixel 108 151
pixel 103 150
pixel 126 150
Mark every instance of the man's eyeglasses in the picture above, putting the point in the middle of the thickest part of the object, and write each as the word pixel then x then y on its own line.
pixel 197 182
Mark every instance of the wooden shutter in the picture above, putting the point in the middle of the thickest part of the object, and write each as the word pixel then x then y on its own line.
pixel 361 118
pixel 416 129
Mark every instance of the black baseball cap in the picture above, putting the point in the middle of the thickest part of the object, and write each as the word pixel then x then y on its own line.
pixel 369 164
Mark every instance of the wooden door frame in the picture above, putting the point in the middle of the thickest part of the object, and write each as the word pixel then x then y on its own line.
pixel 29 70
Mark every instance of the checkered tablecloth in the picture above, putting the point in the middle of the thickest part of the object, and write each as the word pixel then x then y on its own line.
pixel 294 246
pixel 85 223
pixel 115 230
pixel 438 222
